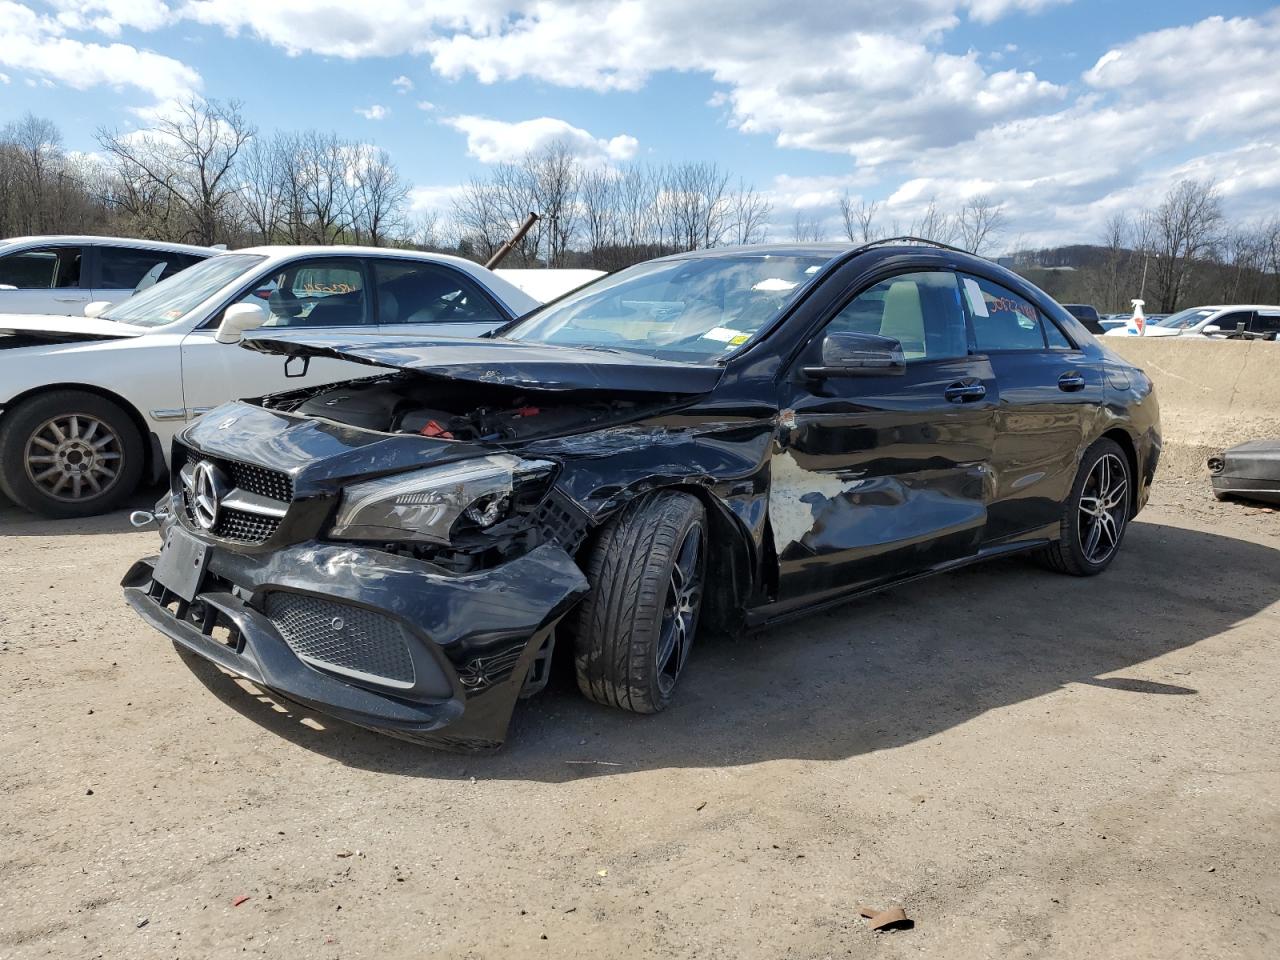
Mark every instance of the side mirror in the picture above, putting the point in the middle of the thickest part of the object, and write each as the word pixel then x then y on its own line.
pixel 238 318
pixel 97 308
pixel 858 355
pixel 1211 329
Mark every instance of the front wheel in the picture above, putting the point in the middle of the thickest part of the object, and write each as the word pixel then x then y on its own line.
pixel 1095 515
pixel 69 453
pixel 636 627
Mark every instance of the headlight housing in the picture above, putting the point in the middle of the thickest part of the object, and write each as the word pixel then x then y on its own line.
pixel 424 505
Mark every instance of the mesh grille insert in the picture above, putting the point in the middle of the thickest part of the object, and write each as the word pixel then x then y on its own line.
pixel 342 638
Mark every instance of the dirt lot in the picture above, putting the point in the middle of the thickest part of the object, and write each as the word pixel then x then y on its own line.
pixel 1032 765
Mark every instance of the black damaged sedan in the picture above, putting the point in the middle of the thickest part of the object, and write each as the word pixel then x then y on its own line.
pixel 711 441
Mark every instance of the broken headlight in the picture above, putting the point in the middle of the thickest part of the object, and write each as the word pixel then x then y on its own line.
pixel 425 504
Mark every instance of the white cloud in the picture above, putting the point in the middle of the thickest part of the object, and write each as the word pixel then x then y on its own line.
pixel 439 198
pixel 402 84
pixel 374 111
pixel 37 45
pixel 109 17
pixel 4 78
pixel 497 141
pixel 425 105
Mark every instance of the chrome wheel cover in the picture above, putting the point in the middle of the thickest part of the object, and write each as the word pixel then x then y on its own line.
pixel 680 610
pixel 73 457
pixel 1103 510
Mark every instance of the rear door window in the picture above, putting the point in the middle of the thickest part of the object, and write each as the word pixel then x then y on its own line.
pixel 122 268
pixel 1229 321
pixel 42 268
pixel 419 292
pixel 1266 322
pixel 1002 320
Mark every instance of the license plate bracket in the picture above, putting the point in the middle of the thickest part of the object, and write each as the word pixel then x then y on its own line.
pixel 182 564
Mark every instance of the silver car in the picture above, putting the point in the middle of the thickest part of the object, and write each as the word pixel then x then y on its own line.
pixel 61 274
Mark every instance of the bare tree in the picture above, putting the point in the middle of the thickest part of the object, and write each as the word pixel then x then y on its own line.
pixel 693 211
pixel 597 199
pixel 750 215
pixel 1113 286
pixel 807 227
pixel 378 195
pixel 934 224
pixel 978 223
pixel 859 218
pixel 1187 226
pixel 190 155
pixel 262 193
pixel 552 174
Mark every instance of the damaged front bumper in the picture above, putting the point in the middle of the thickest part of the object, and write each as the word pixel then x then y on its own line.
pixel 380 640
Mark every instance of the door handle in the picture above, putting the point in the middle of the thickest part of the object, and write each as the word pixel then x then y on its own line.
pixel 1071 382
pixel 68 299
pixel 962 392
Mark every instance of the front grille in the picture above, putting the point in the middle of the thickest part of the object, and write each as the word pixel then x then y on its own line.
pixel 260 480
pixel 342 638
pixel 241 526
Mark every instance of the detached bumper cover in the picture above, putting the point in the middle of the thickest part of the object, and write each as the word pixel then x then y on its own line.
pixel 471 639
pixel 1249 470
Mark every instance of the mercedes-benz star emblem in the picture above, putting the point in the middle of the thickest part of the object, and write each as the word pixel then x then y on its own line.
pixel 208 487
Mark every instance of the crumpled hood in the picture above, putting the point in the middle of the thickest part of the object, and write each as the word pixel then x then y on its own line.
pixel 510 363
pixel 26 329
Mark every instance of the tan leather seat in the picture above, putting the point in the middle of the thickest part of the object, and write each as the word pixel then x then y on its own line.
pixel 904 317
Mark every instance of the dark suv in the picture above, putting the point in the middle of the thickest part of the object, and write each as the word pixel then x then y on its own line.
pixel 715 440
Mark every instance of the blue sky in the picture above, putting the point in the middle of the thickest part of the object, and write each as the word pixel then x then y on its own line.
pixel 1063 110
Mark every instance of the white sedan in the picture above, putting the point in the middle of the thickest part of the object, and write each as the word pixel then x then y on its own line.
pixel 89 405
pixel 1210 321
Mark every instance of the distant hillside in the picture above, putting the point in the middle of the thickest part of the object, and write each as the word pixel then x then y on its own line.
pixel 1109 279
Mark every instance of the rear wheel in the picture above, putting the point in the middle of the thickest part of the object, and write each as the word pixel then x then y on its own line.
pixel 636 627
pixel 69 453
pixel 1096 514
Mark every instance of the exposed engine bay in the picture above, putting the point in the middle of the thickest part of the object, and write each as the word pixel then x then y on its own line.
pixel 459 410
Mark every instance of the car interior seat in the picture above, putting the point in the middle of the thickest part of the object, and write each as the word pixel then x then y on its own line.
pixel 904 317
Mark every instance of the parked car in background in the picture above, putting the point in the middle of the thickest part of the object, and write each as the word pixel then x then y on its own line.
pixel 717 439
pixel 61 274
pixel 88 406
pixel 1212 321
pixel 1087 314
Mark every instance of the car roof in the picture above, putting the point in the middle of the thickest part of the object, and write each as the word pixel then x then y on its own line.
pixel 90 240
pixel 294 250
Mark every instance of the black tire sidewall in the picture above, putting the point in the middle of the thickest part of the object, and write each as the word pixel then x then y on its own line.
pixel 1070 531
pixel 16 427
pixel 618 628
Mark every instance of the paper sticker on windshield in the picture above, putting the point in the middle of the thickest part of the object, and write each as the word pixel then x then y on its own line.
pixel 775 285
pixel 976 301
pixel 740 339
pixel 722 335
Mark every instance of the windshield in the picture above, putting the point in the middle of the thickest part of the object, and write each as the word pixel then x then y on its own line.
pixel 695 309
pixel 1184 318
pixel 174 298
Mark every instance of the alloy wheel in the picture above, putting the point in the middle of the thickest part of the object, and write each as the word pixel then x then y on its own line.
pixel 73 457
pixel 1103 509
pixel 680 610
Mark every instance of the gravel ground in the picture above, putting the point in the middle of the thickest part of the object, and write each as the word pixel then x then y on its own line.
pixel 1031 765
